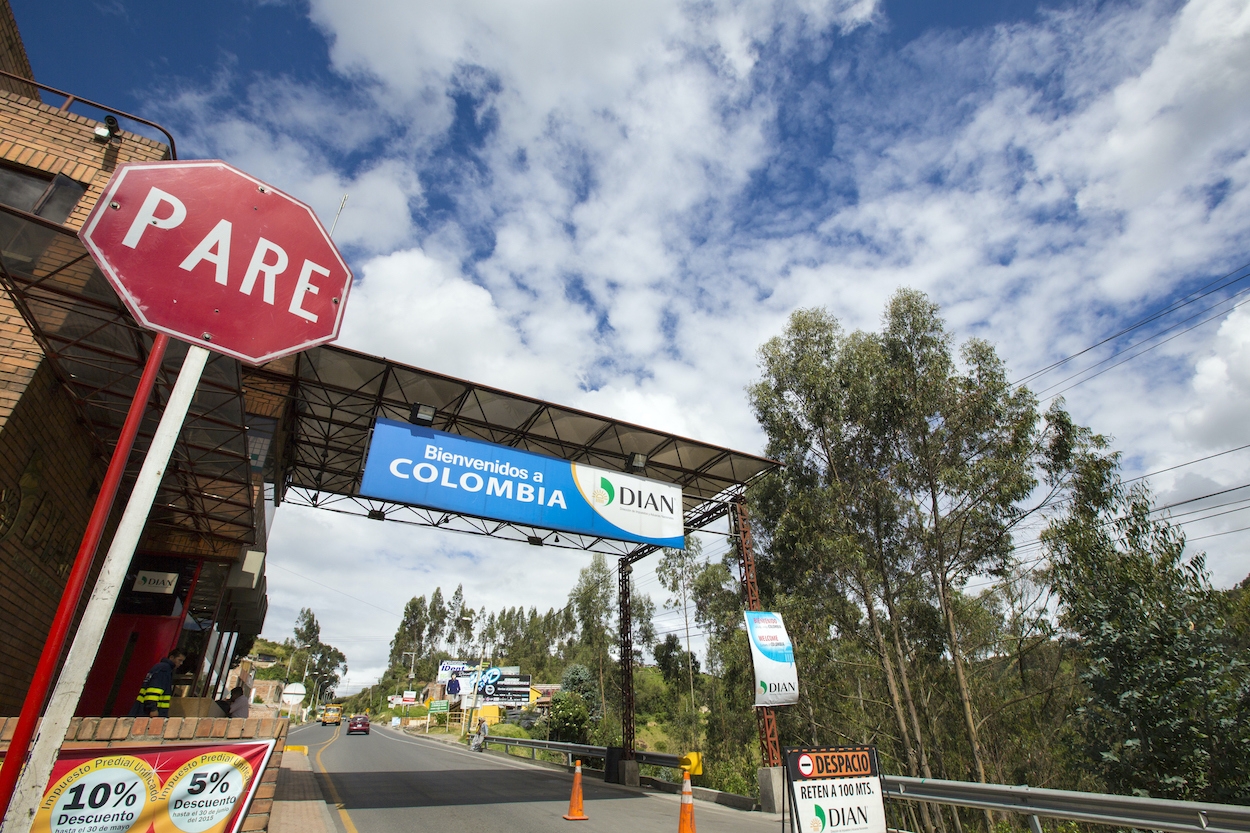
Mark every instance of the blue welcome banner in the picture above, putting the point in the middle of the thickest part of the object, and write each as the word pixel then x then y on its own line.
pixel 420 466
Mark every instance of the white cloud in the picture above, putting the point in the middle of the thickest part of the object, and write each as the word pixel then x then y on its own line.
pixel 411 304
pixel 651 188
pixel 1213 414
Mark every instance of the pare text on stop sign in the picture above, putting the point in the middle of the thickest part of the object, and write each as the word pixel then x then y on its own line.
pixel 268 258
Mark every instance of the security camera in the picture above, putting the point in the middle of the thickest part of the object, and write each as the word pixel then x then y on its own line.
pixel 110 132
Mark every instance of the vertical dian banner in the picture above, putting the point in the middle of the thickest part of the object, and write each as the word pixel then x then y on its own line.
pixel 836 789
pixel 166 789
pixel 776 677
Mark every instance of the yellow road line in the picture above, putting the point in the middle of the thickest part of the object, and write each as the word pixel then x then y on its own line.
pixel 334 793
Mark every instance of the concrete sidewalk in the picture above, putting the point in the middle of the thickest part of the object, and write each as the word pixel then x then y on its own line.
pixel 298 806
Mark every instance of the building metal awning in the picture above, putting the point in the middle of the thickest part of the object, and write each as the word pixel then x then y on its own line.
pixel 208 500
pixel 327 398
pixel 303 422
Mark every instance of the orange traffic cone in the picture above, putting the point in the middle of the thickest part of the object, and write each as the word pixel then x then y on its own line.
pixel 685 823
pixel 576 811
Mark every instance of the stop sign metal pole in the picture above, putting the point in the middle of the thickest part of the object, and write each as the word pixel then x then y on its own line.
pixel 69 686
pixel 38 692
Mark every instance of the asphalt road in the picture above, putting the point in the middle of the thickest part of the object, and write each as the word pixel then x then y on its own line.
pixel 386 782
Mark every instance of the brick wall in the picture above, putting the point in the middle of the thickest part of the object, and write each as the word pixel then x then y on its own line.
pixel 49 471
pixel 13 54
pixel 114 732
pixel 49 475
pixel 20 356
pixel 34 135
pixel 38 136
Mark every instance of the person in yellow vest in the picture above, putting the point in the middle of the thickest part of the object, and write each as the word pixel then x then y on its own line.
pixel 158 686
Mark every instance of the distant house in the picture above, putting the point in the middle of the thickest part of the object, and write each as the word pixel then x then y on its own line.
pixel 268 692
pixel 545 692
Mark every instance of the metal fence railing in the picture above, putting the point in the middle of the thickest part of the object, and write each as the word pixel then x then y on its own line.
pixel 1093 808
pixel 574 750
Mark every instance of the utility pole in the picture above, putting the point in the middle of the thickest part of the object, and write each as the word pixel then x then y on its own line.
pixel 685 609
pixel 765 716
pixel 477 682
pixel 412 672
pixel 468 619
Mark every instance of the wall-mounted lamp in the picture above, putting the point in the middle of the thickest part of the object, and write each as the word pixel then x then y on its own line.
pixel 422 414
pixel 377 515
pixel 635 462
pixel 535 541
pixel 110 132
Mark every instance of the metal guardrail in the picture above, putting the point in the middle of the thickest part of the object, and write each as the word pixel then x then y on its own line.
pixel 658 759
pixel 1094 808
pixel 573 749
pixel 569 750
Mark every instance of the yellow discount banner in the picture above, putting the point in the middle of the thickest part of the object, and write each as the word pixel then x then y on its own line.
pixel 154 789
pixel 107 794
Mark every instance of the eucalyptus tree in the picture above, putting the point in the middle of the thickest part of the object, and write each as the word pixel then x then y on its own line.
pixel 907 464
pixel 436 626
pixel 459 622
pixel 642 622
pixel 1166 708
pixel 966 449
pixel 836 524
pixel 592 601
pixel 411 633
pixel 676 571
pixel 323 663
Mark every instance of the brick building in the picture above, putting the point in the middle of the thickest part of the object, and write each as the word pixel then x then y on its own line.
pixel 68 357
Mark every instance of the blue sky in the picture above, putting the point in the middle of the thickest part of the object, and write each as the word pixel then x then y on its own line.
pixel 612 205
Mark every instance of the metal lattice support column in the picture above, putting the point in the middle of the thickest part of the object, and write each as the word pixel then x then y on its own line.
pixel 627 661
pixel 765 716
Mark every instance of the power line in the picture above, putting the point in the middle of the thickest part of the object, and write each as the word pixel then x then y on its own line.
pixel 1036 546
pixel 336 590
pixel 1218 534
pixel 1197 295
pixel 1135 355
pixel 1188 463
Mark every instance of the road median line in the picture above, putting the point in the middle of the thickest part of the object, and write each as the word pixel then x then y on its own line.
pixel 336 799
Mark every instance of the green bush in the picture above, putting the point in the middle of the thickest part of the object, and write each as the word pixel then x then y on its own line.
pixel 508 730
pixel 570 717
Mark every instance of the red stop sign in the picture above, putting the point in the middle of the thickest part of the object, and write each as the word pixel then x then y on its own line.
pixel 208 254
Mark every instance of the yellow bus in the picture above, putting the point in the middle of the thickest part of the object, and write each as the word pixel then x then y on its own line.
pixel 332 714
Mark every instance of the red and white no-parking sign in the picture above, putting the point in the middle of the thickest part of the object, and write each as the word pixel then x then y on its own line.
pixel 210 255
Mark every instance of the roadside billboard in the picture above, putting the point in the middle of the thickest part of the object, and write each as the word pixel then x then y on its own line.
pixel 449 668
pixel 433 469
pixel 772 655
pixel 495 687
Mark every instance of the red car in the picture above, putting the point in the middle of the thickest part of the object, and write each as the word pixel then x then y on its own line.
pixel 358 723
